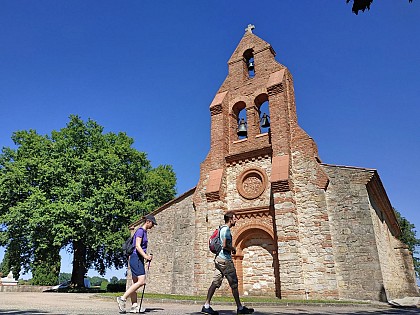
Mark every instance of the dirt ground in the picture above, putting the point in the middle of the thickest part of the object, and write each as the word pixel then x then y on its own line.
pixel 34 303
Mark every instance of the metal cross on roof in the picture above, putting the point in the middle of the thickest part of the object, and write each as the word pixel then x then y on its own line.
pixel 249 28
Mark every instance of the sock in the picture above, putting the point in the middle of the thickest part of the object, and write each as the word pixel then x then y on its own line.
pixel 240 307
pixel 207 305
pixel 134 305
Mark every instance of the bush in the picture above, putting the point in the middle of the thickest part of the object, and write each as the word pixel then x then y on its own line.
pixel 104 285
pixel 115 287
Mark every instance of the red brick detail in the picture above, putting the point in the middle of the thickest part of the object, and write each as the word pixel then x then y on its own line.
pixel 280 173
pixel 287 238
pixel 253 213
pixel 378 193
pixel 218 99
pixel 213 185
pixel 248 155
pixel 275 78
pixel 217 109
pixel 286 211
pixel 252 183
pixel 322 179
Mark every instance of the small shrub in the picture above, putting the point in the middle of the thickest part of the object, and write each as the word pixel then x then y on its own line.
pixel 104 285
pixel 115 287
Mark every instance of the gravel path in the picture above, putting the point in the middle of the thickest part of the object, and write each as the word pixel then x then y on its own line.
pixel 29 303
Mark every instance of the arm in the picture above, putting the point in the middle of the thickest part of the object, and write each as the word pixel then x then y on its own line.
pixel 228 247
pixel 139 249
pixel 225 245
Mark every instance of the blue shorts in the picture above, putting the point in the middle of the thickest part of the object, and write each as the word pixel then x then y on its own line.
pixel 137 265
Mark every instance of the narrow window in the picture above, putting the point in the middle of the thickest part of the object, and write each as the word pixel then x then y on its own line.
pixel 242 125
pixel 239 124
pixel 249 62
pixel 261 102
pixel 264 117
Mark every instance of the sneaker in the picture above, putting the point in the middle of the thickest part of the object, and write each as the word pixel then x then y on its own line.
pixel 121 304
pixel 245 310
pixel 135 309
pixel 209 310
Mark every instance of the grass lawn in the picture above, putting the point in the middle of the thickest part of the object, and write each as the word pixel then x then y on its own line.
pixel 245 299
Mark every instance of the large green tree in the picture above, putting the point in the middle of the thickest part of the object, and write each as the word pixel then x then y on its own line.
pixel 77 188
pixel 362 5
pixel 408 237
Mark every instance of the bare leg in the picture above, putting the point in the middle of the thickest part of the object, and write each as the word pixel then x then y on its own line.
pixel 134 287
pixel 235 293
pixel 210 293
pixel 133 296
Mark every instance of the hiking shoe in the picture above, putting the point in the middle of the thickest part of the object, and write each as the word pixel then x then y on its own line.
pixel 245 310
pixel 121 304
pixel 135 309
pixel 209 310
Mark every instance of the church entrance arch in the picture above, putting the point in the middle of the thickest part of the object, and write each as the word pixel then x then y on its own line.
pixel 256 262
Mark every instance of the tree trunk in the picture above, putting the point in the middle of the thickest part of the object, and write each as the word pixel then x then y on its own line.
pixel 79 264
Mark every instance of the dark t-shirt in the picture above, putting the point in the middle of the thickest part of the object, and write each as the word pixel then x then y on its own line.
pixel 143 235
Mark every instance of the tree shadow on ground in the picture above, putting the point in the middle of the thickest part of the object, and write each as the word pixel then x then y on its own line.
pixel 27 312
pixel 299 311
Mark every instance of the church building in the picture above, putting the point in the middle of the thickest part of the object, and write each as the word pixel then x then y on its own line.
pixel 305 229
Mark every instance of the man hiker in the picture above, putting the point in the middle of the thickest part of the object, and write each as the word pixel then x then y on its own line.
pixel 224 267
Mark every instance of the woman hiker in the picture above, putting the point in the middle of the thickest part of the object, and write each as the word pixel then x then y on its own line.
pixel 136 261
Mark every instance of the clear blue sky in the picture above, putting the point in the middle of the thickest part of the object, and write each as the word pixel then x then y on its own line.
pixel 152 68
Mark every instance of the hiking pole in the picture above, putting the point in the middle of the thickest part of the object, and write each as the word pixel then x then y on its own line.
pixel 142 310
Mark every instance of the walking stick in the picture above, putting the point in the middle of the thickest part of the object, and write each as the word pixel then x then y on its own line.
pixel 144 287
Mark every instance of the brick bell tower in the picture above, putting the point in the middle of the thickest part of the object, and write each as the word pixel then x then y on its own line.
pixel 263 166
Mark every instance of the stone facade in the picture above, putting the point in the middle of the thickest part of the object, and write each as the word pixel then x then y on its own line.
pixel 305 229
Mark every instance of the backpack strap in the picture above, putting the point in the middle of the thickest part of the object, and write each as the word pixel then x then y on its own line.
pixel 220 236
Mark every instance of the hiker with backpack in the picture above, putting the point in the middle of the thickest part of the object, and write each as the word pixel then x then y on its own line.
pixel 136 262
pixel 224 266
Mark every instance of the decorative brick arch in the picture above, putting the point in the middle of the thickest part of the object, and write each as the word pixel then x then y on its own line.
pixel 234 117
pixel 246 231
pixel 254 232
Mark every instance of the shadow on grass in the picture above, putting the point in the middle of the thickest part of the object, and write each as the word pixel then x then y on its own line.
pixel 27 312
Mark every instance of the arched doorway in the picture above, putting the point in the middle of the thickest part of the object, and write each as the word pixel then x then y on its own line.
pixel 256 262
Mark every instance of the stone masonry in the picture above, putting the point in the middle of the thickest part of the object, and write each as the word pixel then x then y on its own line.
pixel 305 229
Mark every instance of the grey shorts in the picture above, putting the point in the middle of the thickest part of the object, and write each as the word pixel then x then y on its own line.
pixel 225 268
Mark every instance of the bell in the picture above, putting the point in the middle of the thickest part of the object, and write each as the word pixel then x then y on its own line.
pixel 250 66
pixel 265 123
pixel 242 128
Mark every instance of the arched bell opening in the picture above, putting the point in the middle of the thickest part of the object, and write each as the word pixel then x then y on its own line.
pixel 239 121
pixel 262 104
pixel 256 262
pixel 249 63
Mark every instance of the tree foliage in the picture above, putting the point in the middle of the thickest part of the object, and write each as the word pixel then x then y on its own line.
pixel 408 237
pixel 362 5
pixel 77 188
pixel 64 277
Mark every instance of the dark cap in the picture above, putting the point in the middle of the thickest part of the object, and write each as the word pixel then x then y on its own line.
pixel 151 218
